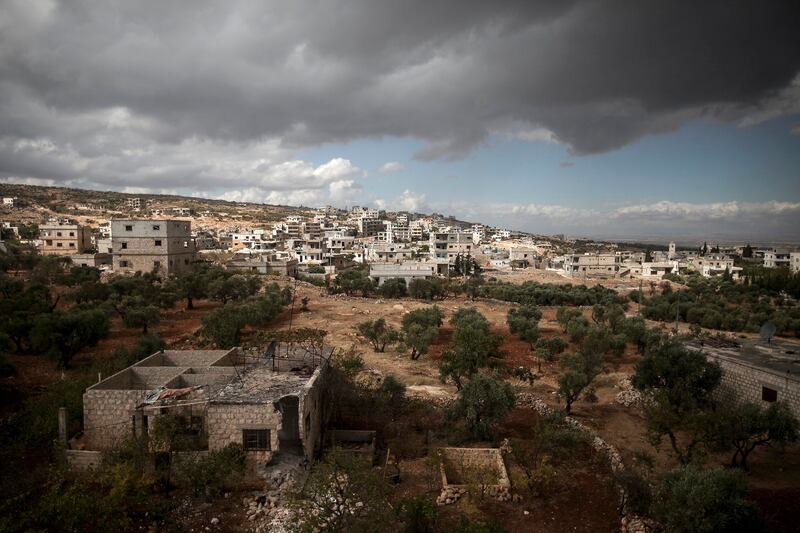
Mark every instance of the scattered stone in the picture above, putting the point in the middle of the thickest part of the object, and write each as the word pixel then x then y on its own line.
pixel 214 521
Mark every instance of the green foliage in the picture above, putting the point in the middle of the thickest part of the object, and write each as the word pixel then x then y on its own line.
pixel 418 514
pixel 78 275
pixel 349 362
pixel 473 346
pixel 392 391
pixel 393 288
pixel 233 288
pixel 427 289
pixel 72 503
pixel 213 474
pixel 546 294
pixel 378 333
pixel 224 325
pixel 680 383
pixel 145 345
pixel 316 269
pixel 744 427
pixel 420 328
pixel 353 281
pixel 140 315
pixel 465 265
pixel 705 501
pixel 61 335
pixel 580 369
pixel 483 402
pixel 719 304
pixel 465 525
pixel 334 485
pixel 524 323
pixel 198 281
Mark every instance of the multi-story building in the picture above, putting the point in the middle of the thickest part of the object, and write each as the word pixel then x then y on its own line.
pixel 522 256
pixel 711 265
pixel 445 246
pixel 137 204
pixel 794 262
pixel 63 239
pixel 776 258
pixel 370 227
pixel 597 265
pixel 146 245
pixel 9 201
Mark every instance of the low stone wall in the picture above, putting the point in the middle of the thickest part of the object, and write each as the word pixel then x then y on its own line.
pixel 630 523
pixel 83 459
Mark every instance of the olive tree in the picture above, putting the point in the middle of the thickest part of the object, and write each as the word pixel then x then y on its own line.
pixel 483 402
pixel 378 333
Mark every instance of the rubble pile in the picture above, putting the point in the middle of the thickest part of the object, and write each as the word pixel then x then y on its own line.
pixel 267 509
pixel 450 495
pixel 628 396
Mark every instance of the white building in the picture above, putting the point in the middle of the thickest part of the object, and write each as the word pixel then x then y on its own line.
pixel 794 262
pixel 446 246
pixel 408 271
pixel 776 258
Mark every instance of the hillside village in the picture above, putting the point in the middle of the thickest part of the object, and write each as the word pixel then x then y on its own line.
pixel 177 364
pixel 396 245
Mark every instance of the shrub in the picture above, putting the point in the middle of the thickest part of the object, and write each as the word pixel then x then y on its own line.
pixel 393 288
pixel 418 514
pixel 691 499
pixel 378 333
pixel 482 403
pixel 210 476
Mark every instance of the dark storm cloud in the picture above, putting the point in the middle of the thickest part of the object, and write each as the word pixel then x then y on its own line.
pixel 112 90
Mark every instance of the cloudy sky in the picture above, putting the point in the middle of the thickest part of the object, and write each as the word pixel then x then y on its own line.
pixel 603 118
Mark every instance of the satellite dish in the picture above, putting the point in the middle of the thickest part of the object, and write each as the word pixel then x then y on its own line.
pixel 767 331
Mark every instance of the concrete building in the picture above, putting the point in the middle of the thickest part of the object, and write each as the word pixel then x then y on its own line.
pixel 63 239
pixel 593 265
pixel 266 402
pixel 9 201
pixel 658 269
pixel 370 227
pixel 794 262
pixel 756 371
pixel 445 246
pixel 777 258
pixel 522 257
pixel 146 245
pixel 263 263
pixel 711 265
pixel 136 204
pixel 408 271
pixel 98 260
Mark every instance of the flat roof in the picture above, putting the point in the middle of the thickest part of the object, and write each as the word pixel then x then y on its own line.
pixel 780 357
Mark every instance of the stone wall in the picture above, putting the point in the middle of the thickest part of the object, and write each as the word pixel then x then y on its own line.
pixel 742 382
pixel 313 414
pixel 83 459
pixel 108 416
pixel 225 422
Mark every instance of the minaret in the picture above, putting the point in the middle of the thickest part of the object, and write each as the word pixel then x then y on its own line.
pixel 672 252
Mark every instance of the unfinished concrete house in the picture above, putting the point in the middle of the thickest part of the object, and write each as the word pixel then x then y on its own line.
pixel 267 402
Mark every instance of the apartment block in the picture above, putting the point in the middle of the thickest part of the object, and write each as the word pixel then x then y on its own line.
pixel 794 262
pixel 63 239
pixel 777 258
pixel 145 245
pixel 599 265
pixel 445 246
